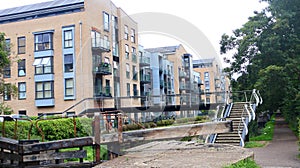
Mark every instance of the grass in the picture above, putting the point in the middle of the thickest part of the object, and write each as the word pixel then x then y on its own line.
pixel 267 132
pixel 266 135
pixel 247 163
pixel 255 144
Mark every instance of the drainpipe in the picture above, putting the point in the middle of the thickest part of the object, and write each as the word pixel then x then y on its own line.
pixel 80 53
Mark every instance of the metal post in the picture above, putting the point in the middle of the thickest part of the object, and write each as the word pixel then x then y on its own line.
pixel 97 133
pixel 120 128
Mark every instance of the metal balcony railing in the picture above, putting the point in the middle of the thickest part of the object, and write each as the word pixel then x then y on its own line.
pixel 103 69
pixel 144 61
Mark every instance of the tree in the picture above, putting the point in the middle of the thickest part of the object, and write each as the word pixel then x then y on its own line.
pixel 266 54
pixel 5 88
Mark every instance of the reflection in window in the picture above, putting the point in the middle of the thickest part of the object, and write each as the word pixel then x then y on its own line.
pixel 68 39
pixel 44 90
pixel 22 68
pixel 69 87
pixel 22 90
pixel 43 42
pixel 21 45
pixel 68 60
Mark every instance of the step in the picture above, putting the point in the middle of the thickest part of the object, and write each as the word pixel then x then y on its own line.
pixel 228 138
pixel 227 141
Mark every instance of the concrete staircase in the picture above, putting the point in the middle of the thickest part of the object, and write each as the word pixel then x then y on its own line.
pixel 236 114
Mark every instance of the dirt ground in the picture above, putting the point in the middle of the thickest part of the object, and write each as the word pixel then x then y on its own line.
pixel 177 154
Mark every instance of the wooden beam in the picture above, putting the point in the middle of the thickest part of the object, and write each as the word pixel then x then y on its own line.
pixel 9 144
pixel 171 132
pixel 52 145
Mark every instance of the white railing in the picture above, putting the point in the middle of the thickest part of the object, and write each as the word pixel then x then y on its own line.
pixel 246 108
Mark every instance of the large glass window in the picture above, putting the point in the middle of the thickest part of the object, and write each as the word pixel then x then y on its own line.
pixel 68 61
pixel 43 42
pixel 21 45
pixel 127 71
pixel 132 37
pixel 96 40
pixel 134 73
pixel 128 89
pixel 44 90
pixel 135 91
pixel 106 21
pixel 43 65
pixel 68 39
pixel 22 68
pixel 69 87
pixel 126 32
pixel 22 90
pixel 126 51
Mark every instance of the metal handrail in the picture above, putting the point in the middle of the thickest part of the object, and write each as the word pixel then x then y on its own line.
pixel 246 108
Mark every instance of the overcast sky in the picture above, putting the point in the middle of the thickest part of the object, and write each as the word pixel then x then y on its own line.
pixel 212 17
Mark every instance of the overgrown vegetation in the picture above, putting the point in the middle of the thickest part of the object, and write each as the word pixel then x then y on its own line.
pixel 266 133
pixel 265 52
pixel 247 163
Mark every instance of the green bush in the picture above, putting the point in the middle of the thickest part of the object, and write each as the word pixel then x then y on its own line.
pixel 55 129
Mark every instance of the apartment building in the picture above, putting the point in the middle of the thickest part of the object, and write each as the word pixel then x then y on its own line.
pixel 67 51
pixel 215 81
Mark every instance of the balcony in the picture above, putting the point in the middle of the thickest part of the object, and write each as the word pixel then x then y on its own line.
pixel 134 57
pixel 103 69
pixel 103 92
pixel 145 78
pixel 144 61
pixel 101 44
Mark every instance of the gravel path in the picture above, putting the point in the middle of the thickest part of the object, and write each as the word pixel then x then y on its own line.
pixel 282 151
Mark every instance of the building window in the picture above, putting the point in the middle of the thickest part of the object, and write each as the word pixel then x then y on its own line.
pixel 95 39
pixel 106 21
pixel 206 75
pixel 7 92
pixel 126 32
pixel 43 42
pixel 207 85
pixel 21 45
pixel 7 46
pixel 44 90
pixel 126 51
pixel 68 61
pixel 133 52
pixel 68 38
pixel 43 65
pixel 22 90
pixel 22 68
pixel 23 112
pixel 135 91
pixel 128 89
pixel 132 37
pixel 69 87
pixel 127 71
pixel 6 71
pixel 134 73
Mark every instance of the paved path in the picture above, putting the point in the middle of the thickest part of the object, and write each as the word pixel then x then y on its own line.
pixel 282 151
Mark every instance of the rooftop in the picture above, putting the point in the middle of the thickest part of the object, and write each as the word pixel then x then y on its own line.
pixel 163 50
pixel 39 10
pixel 204 61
